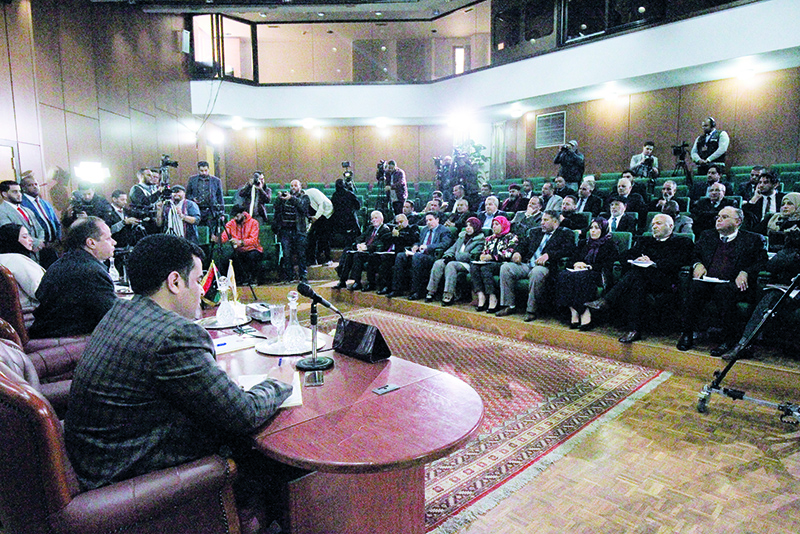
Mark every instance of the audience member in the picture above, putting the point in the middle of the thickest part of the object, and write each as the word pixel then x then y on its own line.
pixel 682 223
pixel 318 245
pixel 515 201
pixel 668 192
pixel 645 165
pixel 485 192
pixel 414 218
pixel 747 189
pixel 45 214
pixel 530 218
pixel 148 394
pixel 243 233
pixel 344 221
pixel 291 227
pixel 784 226
pixel 490 212
pixel 458 219
pixel 765 201
pixel 657 261
pixel 182 215
pixel 60 190
pixel 76 291
pixel 13 212
pixel 527 188
pixel 456 259
pixel 499 247
pixel 550 201
pixel 444 176
pixel 205 190
pixel 402 236
pixel 437 195
pixel 726 265
pixel 561 188
pixel 352 264
pixel 710 147
pixel 569 218
pixel 16 247
pixel 255 196
pixel 459 193
pixel 571 163
pixel 634 203
pixel 538 254
pixel 415 264
pixel 619 220
pixel 706 209
pixel 143 200
pixel 713 175
pixel 587 200
pixel 589 267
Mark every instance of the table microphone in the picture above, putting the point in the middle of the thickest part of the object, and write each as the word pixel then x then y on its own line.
pixel 308 292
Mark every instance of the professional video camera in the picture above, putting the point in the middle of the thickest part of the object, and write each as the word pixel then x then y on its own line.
pixel 166 163
pixel 679 151
pixel 348 173
pixel 437 161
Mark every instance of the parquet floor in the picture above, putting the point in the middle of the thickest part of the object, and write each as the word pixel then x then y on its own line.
pixel 663 467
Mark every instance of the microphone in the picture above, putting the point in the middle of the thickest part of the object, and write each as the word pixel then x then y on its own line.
pixel 308 292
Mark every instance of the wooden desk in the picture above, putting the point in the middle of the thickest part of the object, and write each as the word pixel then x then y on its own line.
pixel 367 452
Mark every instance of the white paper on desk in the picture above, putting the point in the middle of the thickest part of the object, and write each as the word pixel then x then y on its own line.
pixel 713 280
pixel 295 399
pixel 233 342
pixel 642 263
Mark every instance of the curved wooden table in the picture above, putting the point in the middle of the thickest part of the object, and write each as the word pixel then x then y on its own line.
pixel 366 451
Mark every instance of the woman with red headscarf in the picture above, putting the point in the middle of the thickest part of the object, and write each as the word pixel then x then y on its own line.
pixel 499 247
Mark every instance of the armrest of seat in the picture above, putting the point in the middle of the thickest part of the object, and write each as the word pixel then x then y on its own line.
pixel 55 358
pixel 198 492
pixel 57 393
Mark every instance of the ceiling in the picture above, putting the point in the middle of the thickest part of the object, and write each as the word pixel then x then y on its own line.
pixel 307 10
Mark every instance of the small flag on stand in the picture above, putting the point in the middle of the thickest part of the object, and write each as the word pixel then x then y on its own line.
pixel 232 282
pixel 210 293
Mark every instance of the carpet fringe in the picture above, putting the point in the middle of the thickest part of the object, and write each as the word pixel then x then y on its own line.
pixel 485 504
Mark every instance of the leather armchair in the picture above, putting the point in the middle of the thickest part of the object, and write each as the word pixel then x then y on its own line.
pixel 39 491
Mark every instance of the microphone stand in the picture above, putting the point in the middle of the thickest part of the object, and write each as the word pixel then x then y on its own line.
pixel 313 363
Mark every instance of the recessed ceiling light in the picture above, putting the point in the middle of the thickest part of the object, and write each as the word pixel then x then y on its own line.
pixel 378 14
pixel 262 14
pixel 320 14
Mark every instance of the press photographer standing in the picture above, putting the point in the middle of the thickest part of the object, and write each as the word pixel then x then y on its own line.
pixel 181 215
pixel 254 196
pixel 394 180
pixel 143 199
pixel 205 190
pixel 571 162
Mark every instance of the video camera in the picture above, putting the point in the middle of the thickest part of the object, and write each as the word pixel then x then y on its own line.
pixel 679 151
pixel 348 173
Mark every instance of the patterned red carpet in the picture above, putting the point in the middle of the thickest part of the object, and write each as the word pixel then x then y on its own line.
pixel 539 401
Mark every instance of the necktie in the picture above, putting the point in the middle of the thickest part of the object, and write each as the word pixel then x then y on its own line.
pixel 767 207
pixel 49 227
pixel 581 203
pixel 538 253
pixel 613 224
pixel 429 238
pixel 372 237
pixel 24 215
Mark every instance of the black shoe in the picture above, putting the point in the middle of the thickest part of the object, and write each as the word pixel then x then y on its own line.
pixel 481 308
pixel 686 341
pixel 429 297
pixel 738 352
pixel 340 285
pixel 529 317
pixel 574 326
pixel 383 291
pixel 586 327
pixel 505 312
pixel 366 288
pixel 355 287
pixel 448 302
pixel 393 294
pixel 414 296
pixel 630 337
pixel 599 304
pixel 721 349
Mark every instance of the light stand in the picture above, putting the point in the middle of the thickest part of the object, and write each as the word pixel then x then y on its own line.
pixel 313 363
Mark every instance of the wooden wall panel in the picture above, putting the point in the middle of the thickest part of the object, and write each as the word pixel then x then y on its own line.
pixel 698 101
pixel 372 145
pixel 6 89
pixel 272 146
pixel 241 158
pixel 113 60
pixel 20 50
pixel 77 59
pixel 54 138
pixel 46 24
pixel 83 140
pixel 433 141
pixel 654 117
pixel 767 119
pixel 305 148
pixel 115 143
pixel 603 134
pixel 142 89
pixel 338 147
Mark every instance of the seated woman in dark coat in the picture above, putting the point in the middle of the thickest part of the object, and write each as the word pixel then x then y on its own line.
pixel 587 270
pixel 499 247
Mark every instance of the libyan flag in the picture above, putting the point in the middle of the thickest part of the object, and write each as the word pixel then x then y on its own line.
pixel 210 293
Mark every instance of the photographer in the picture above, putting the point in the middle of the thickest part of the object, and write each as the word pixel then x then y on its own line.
pixel 181 215
pixel 347 177
pixel 205 190
pixel 645 165
pixel 123 226
pixel 394 183
pixel 291 227
pixel 143 198
pixel 571 162
pixel 444 176
pixel 254 196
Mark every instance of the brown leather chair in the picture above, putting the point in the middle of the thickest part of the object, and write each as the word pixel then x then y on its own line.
pixel 39 492
pixel 53 358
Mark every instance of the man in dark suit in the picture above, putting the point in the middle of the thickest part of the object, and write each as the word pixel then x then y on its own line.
pixel 148 394
pixel 633 201
pixel 618 220
pixel 418 260
pixel 487 215
pixel 705 210
pixel 659 259
pixel 713 176
pixel 765 202
pixel 587 200
pixel 668 191
pixel 515 201
pixel 352 264
pixel 540 253
pixel 747 189
pixel 561 188
pixel 732 255
pixel 402 236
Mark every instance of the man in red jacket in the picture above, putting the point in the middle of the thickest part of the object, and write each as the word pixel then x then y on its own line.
pixel 242 232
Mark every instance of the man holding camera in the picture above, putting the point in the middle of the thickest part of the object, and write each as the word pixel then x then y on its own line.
pixel 254 196
pixel 645 165
pixel 180 215
pixel 143 198
pixel 291 227
pixel 394 179
pixel 205 189
pixel 572 163
pixel 710 147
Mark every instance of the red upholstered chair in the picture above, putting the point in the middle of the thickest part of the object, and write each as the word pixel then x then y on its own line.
pixel 10 306
pixel 39 492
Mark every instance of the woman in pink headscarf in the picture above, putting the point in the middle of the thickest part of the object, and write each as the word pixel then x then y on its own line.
pixel 499 247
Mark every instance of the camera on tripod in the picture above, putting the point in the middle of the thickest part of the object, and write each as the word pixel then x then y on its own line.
pixel 348 173
pixel 166 162
pixel 679 151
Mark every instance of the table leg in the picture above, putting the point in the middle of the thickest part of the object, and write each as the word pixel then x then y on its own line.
pixel 388 502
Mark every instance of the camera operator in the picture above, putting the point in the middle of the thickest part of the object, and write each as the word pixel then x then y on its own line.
pixel 444 176
pixel 347 177
pixel 91 204
pixel 181 215
pixel 143 198
pixel 395 185
pixel 571 162
pixel 254 196
pixel 205 190
pixel 291 227
pixel 645 165
pixel 125 229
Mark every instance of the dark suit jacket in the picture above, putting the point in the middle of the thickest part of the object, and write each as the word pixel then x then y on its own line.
pixel 756 210
pixel 378 244
pixel 482 215
pixel 442 238
pixel 701 190
pixel 567 191
pixel 669 256
pixel 626 223
pixel 561 245
pixel 407 237
pixel 147 394
pixel 705 214
pixel 634 202
pixel 594 205
pixel 521 204
pixel 749 253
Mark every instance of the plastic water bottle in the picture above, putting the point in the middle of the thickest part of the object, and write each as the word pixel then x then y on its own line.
pixel 112 271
